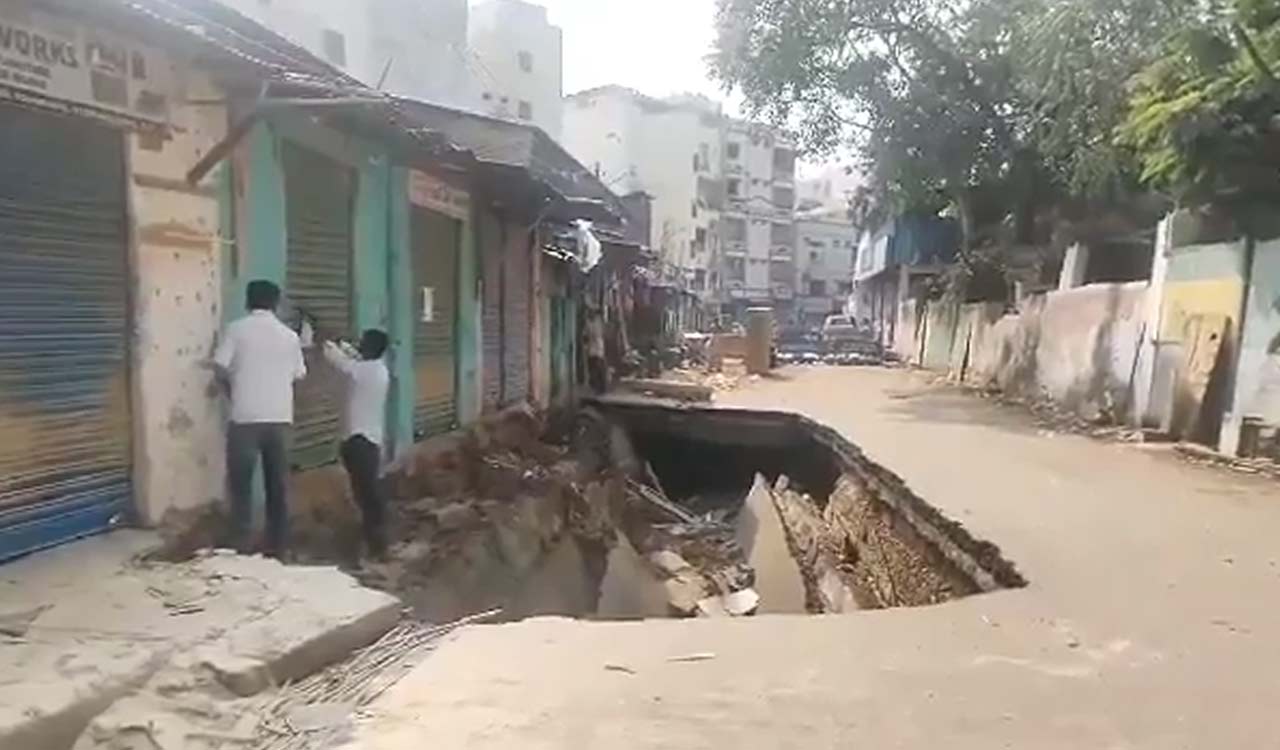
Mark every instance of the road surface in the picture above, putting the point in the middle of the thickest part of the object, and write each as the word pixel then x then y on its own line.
pixel 1150 620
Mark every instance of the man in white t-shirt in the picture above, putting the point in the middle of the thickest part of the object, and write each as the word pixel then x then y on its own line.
pixel 259 359
pixel 363 419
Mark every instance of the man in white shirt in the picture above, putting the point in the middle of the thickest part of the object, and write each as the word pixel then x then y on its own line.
pixel 259 359
pixel 363 419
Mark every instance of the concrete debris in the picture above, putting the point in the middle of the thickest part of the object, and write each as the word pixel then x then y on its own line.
pixel 741 603
pixel 454 516
pixel 318 716
pixel 15 624
pixel 673 389
pixel 759 531
pixel 669 563
pixel 692 658
pixel 685 591
pixel 97 639
pixel 629 589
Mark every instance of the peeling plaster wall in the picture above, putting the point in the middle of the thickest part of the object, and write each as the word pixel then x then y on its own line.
pixel 1076 347
pixel 177 295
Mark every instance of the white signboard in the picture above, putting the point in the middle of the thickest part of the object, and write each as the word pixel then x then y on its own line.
pixel 63 62
pixel 437 195
pixel 428 304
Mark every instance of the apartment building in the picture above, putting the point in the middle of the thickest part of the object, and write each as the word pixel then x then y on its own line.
pixel 414 48
pixel 758 229
pixel 670 149
pixel 825 255
pixel 502 57
pixel 723 191
pixel 517 63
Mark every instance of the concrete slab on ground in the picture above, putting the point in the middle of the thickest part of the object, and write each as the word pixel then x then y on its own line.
pixel 1148 621
pixel 104 622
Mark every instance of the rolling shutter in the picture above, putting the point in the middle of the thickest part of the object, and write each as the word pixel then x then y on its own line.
pixel 436 240
pixel 491 250
pixel 64 394
pixel 319 201
pixel 516 278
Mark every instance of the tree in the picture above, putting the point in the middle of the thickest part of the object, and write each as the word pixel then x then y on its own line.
pixel 993 109
pixel 1205 116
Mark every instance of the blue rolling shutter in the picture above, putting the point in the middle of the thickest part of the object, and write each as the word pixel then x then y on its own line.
pixel 64 379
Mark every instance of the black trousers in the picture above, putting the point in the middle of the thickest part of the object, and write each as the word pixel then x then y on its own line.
pixel 245 444
pixel 597 374
pixel 362 458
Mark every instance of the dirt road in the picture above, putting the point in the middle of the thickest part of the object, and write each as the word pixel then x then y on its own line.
pixel 1149 622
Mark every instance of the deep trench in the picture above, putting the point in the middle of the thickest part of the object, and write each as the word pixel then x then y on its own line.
pixel 825 529
pixel 855 536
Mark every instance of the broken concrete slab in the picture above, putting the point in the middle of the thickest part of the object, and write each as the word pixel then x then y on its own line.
pixel 630 589
pixel 763 538
pixel 99 637
pixel 673 389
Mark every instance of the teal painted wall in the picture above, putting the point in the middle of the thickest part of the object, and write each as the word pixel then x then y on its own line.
pixel 253 205
pixel 381 264
pixel 400 307
pixel 372 244
pixel 470 383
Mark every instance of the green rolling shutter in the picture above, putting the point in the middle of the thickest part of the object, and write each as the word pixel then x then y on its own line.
pixel 436 241
pixel 319 203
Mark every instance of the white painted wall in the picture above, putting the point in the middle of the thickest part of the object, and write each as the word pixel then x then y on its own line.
pixel 178 419
pixel 504 36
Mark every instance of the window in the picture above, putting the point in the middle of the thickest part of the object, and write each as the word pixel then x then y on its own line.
pixel 526 61
pixel 846 287
pixel 782 235
pixel 486 96
pixel 699 238
pixel 526 110
pixel 784 198
pixel 818 288
pixel 734 188
pixel 335 47
pixel 784 164
pixel 734 150
pixel 737 270
pixel 735 230
pixel 693 209
pixel 813 256
pixel 699 279
pixel 704 154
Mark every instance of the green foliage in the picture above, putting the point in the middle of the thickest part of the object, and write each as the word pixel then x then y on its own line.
pixel 1015 101
pixel 1204 116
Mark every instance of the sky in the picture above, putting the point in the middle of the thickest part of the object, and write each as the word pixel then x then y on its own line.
pixel 654 46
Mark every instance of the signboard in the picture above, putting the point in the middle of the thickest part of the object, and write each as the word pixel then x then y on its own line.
pixel 59 61
pixel 428 304
pixel 437 195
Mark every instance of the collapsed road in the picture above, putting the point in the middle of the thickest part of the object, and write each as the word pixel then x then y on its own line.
pixel 640 511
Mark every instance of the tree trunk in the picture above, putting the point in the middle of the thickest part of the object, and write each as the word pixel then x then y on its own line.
pixel 964 205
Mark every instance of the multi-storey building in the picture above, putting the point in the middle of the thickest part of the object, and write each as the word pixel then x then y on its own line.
pixel 414 48
pixel 502 57
pixel 669 149
pixel 723 190
pixel 824 265
pixel 517 62
pixel 758 230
